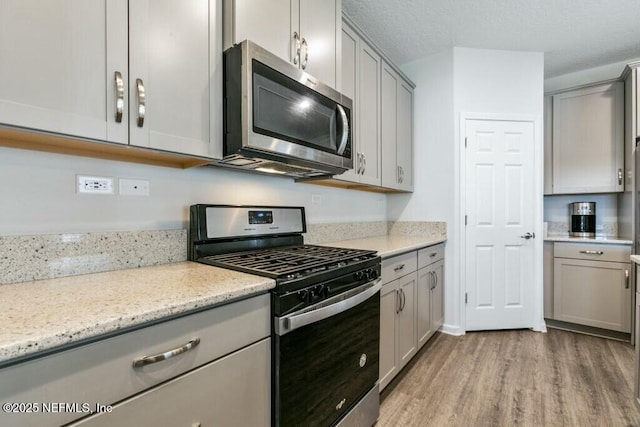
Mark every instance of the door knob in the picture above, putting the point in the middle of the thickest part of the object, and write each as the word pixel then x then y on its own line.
pixel 528 236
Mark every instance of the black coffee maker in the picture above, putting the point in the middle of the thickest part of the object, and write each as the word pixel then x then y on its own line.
pixel 583 219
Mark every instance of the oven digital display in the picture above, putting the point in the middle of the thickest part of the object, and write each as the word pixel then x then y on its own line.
pixel 260 217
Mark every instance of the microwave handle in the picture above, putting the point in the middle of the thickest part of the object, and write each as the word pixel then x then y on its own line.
pixel 345 129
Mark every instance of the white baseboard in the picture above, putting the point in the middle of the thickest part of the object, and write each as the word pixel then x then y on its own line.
pixel 451 330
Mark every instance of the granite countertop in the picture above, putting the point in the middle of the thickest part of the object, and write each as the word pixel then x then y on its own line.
pixel 390 244
pixel 635 258
pixel 598 239
pixel 45 314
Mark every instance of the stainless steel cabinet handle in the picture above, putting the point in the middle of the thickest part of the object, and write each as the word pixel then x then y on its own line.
pixel 345 129
pixel 141 102
pixel 404 299
pixel 432 254
pixel 296 48
pixel 592 252
pixel 306 54
pixel 364 164
pixel 401 174
pixel 619 176
pixel 435 275
pixel 398 299
pixel 528 236
pixel 430 280
pixel 626 279
pixel 119 96
pixel 148 360
pixel 398 175
pixel 398 267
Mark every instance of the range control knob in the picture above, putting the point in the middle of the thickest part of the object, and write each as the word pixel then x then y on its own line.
pixel 359 275
pixel 305 296
pixel 373 274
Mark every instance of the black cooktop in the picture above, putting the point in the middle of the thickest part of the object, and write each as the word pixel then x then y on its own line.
pixel 289 262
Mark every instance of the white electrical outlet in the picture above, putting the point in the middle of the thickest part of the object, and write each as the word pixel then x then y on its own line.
pixel 94 184
pixel 134 187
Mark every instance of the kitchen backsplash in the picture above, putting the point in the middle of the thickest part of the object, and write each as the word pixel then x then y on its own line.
pixel 26 258
pixel 561 228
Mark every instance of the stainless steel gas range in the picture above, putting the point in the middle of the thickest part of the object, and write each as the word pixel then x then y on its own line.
pixel 325 310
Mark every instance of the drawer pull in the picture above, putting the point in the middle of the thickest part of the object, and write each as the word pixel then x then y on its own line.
pixel 432 254
pixel 399 267
pixel 626 279
pixel 592 252
pixel 148 360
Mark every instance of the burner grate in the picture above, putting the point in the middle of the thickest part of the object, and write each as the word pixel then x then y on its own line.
pixel 287 260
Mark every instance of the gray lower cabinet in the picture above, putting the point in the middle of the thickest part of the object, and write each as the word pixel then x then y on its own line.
pixel 233 349
pixel 231 391
pixel 430 312
pixel 592 285
pixel 411 306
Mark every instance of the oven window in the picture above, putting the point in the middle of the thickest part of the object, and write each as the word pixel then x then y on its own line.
pixel 321 370
pixel 288 110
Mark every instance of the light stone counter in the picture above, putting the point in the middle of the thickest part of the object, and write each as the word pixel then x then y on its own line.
pixel 391 244
pixel 45 314
pixel 602 240
pixel 635 258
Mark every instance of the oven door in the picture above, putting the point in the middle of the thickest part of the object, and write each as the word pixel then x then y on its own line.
pixel 327 358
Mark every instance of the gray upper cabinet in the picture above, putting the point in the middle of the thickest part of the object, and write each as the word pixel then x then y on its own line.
pixel 588 140
pixel 305 33
pixel 55 58
pixel 361 82
pixel 140 73
pixel 548 145
pixel 397 130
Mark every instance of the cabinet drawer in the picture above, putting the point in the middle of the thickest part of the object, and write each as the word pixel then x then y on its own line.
pixel 429 255
pixel 231 391
pixel 102 372
pixel 398 266
pixel 593 251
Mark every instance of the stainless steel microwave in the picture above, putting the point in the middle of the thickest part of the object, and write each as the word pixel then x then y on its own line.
pixel 279 119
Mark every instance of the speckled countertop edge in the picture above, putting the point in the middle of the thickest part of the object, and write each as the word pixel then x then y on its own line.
pixel 600 240
pixel 635 258
pixel 390 245
pixel 45 314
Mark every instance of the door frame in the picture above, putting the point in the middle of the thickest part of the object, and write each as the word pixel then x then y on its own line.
pixel 538 214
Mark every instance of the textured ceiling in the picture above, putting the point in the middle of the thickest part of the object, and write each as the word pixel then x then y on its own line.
pixel 573 34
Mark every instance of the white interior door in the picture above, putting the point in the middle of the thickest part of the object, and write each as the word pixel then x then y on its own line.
pixel 500 210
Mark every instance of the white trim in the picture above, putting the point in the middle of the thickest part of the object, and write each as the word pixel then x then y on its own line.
pixel 538 323
pixel 451 330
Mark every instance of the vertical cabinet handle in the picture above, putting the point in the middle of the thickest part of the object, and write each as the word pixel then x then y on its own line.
pixel 398 299
pixel 619 176
pixel 141 102
pixel 306 54
pixel 364 164
pixel 404 299
pixel 119 96
pixel 626 279
pixel 296 48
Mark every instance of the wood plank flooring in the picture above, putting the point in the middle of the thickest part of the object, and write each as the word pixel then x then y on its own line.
pixel 514 378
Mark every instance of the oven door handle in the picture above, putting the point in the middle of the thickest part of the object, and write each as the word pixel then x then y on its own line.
pixel 326 309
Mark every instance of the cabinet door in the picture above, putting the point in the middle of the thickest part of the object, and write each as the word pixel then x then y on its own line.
pixel 547 278
pixel 592 293
pixel 637 360
pixel 265 22
pixel 404 150
pixel 53 72
pixel 369 114
pixel 234 390
pixel 636 74
pixel 548 145
pixel 389 127
pixel 389 307
pixel 423 312
pixel 407 337
pixel 320 23
pixel 175 60
pixel 437 296
pixel 350 46
pixel 588 140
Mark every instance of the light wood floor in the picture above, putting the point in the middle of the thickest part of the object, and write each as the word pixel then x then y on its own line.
pixel 513 378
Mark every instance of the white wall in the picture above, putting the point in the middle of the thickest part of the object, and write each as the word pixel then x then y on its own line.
pixel 556 208
pixel 38 195
pixel 459 81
